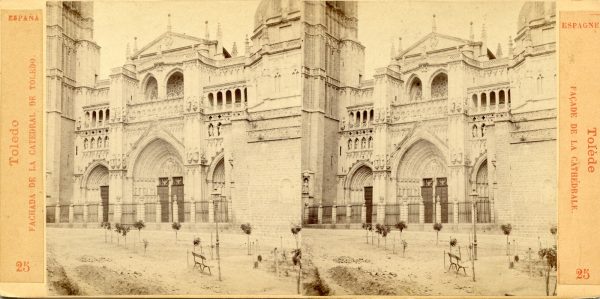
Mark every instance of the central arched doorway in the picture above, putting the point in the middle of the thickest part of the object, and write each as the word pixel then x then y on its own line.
pixel 423 168
pixel 361 190
pixel 158 175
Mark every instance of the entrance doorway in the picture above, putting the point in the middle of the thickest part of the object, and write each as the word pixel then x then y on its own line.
pixel 104 198
pixel 427 194
pixel 167 194
pixel 369 204
pixel 441 192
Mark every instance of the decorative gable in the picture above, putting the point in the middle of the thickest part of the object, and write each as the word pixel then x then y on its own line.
pixel 434 41
pixel 168 41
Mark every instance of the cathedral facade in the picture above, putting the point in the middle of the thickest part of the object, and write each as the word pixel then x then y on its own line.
pixel 448 132
pixel 184 131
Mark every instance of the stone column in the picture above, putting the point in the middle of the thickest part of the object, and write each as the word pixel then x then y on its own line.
pixel 158 210
pixel 71 213
pixel 57 214
pixel 192 210
pixel 363 213
pixel 175 210
pixel 320 214
pixel 229 209
pixel 85 212
pixel 333 214
pixel 421 212
pixel 348 211
pixel 455 212
pixel 438 211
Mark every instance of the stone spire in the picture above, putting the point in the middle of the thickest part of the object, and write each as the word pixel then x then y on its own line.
pixel 471 34
pixel 169 23
pixel 393 50
pixel 484 46
pixel 510 46
pixel 433 25
pixel 135 48
pixel 128 53
pixel 206 33
pixel 499 51
pixel 234 51
pixel 247 44
pixel 399 45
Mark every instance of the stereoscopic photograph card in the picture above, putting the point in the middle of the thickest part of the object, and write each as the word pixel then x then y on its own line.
pixel 299 148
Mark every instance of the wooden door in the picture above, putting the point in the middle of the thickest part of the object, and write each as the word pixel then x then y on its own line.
pixel 177 192
pixel 104 198
pixel 427 194
pixel 369 204
pixel 441 192
pixel 163 196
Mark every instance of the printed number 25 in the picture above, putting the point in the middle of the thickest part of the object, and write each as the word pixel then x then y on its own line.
pixel 22 266
pixel 583 273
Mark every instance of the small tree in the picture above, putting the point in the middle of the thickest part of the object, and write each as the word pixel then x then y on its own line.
pixel 176 226
pixel 437 227
pixel 145 245
pixel 196 243
pixel 118 229
pixel 297 253
pixel 404 245
pixel 506 229
pixel 247 228
pixel 367 227
pixel 124 231
pixel 139 225
pixel 550 255
pixel 401 226
pixel 453 243
pixel 378 230
pixel 106 226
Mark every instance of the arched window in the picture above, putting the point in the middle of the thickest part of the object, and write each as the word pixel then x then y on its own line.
pixel 492 99
pixel 371 142
pixel 483 101
pixel 364 117
pixel 100 118
pixel 87 119
pixel 350 144
pixel 363 144
pixel 416 90
pixel 351 118
pixel 245 95
pixel 85 143
pixel 475 104
pixel 228 98
pixel 509 96
pixel 219 129
pixel 238 96
pixel 211 100
pixel 358 118
pixel 439 87
pixel 482 189
pixel 175 85
pixel 107 115
pixel 501 97
pixel 371 116
pixel 93 119
pixel 151 91
pixel 220 100
pixel 106 142
pixel 92 142
pixel 356 143
pixel 482 130
pixel 100 143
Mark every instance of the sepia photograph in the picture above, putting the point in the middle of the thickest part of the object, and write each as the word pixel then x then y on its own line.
pixel 173 135
pixel 430 163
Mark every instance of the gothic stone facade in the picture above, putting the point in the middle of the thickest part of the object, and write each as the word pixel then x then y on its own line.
pixel 446 123
pixel 184 131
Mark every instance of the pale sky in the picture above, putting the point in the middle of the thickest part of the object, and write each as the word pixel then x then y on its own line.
pixel 116 23
pixel 380 21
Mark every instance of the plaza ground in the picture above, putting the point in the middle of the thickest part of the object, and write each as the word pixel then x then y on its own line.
pixel 340 262
pixel 80 262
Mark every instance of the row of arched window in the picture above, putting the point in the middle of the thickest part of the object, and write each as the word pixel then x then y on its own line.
pixel 439 88
pixel 357 144
pixel 225 99
pixel 491 101
pixel 93 143
pixel 175 87
pixel 96 118
pixel 361 118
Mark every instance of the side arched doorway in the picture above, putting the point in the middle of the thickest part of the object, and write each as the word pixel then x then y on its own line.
pixel 96 191
pixel 423 168
pixel 361 191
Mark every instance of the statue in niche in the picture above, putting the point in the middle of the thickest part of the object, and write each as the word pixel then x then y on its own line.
pixel 210 130
pixel 305 185
pixel 483 129
pixel 474 131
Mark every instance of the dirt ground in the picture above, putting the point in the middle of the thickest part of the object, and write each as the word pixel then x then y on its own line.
pixel 340 262
pixel 80 262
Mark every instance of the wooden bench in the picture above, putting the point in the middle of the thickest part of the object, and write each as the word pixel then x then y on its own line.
pixel 200 261
pixel 455 262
